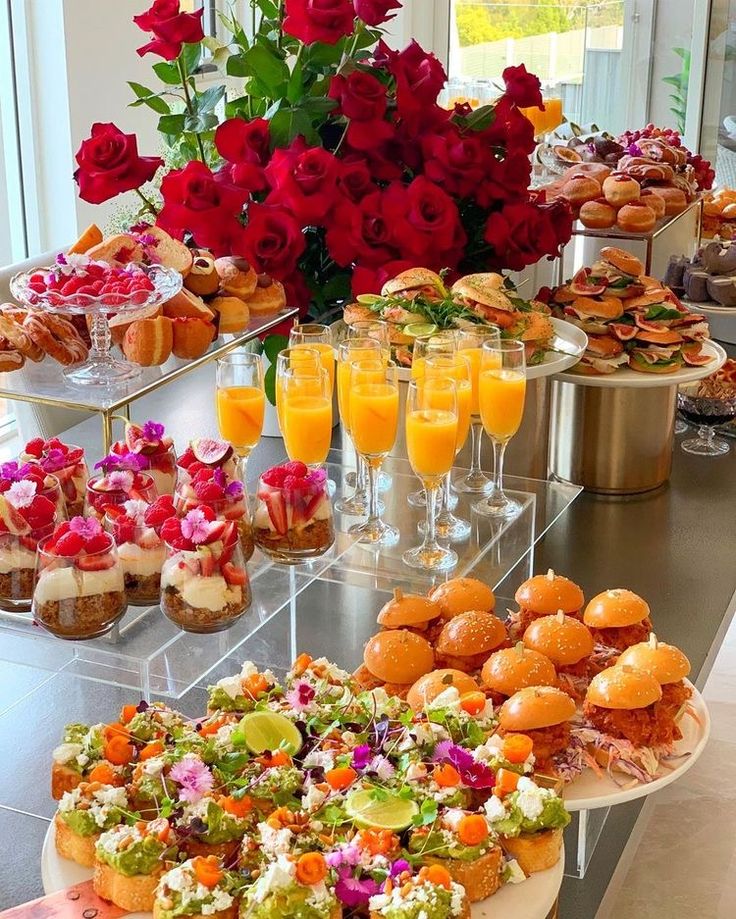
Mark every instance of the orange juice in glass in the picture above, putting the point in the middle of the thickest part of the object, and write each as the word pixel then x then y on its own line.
pixel 470 346
pixel 318 337
pixel 300 362
pixel 430 441
pixel 241 403
pixel 306 411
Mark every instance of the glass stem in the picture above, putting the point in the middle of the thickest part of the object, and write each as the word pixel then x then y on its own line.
pixel 476 434
pixel 706 433
pixel 374 466
pixel 499 451
pixel 430 533
pixel 100 335
pixel 360 474
pixel 445 499
pixel 243 469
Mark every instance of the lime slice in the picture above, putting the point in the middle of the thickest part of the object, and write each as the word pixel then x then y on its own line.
pixel 269 731
pixel 388 812
pixel 368 299
pixel 417 329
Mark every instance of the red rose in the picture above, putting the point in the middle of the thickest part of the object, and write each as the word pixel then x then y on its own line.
pixel 375 12
pixel 362 232
pixel 246 147
pixel 522 88
pixel 319 20
pixel 196 202
pixel 370 280
pixel 425 219
pixel 109 164
pixel 510 129
pixel 273 240
pixel 522 233
pixel 361 98
pixel 355 180
pixel 457 162
pixel 419 76
pixel 506 180
pixel 170 27
pixel 304 180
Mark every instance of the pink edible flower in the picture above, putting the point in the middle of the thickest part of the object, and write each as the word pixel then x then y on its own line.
pixel 135 509
pixel 300 696
pixel 195 526
pixel 120 480
pixel 194 778
pixel 153 431
pixel 21 494
pixel 86 527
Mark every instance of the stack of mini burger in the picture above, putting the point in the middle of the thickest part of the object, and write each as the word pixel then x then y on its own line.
pixel 631 320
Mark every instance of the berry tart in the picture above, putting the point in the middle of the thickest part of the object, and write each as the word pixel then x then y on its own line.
pixel 26 516
pixel 156 450
pixel 135 527
pixel 120 480
pixel 80 588
pixel 293 518
pixel 225 496
pixel 46 484
pixel 204 584
pixel 205 451
pixel 67 463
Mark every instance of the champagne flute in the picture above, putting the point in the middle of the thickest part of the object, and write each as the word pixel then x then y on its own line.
pixel 452 367
pixel 374 420
pixel 241 404
pixel 318 337
pixel 348 352
pixel 306 412
pixel 431 438
pixel 501 390
pixel 298 361
pixel 470 343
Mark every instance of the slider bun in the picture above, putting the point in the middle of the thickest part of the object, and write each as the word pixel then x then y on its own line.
pixel 458 595
pixel 564 643
pixel 433 684
pixel 615 609
pixel 407 609
pixel 511 669
pixel 623 260
pixel 545 596
pixel 535 707
pixel 411 279
pixel 666 663
pixel 471 633
pixel 397 656
pixel 623 687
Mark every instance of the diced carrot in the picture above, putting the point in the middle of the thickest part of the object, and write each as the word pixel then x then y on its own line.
pixel 150 750
pixel 340 778
pixel 207 870
pixel 506 782
pixel 104 773
pixel 238 807
pixel 378 842
pixel 255 685
pixel 446 775
pixel 473 702
pixel 311 869
pixel 164 832
pixel 301 664
pixel 472 830
pixel 128 713
pixel 437 874
pixel 118 751
pixel 517 747
pixel 116 729
pixel 212 727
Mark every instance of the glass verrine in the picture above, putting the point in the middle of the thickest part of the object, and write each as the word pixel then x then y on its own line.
pixel 470 342
pixel 116 487
pixel 232 506
pixel 706 412
pixel 67 463
pixel 306 416
pixel 374 419
pixel 141 552
pixel 501 394
pixel 431 438
pixel 318 337
pixel 241 404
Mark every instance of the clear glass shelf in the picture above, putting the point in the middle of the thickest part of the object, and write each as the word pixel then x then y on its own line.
pixel 579 229
pixel 45 383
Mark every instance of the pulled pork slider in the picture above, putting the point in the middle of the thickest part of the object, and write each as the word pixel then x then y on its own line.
pixel 543 713
pixel 669 667
pixel 459 595
pixel 510 669
pixel 568 644
pixel 618 618
pixel 428 687
pixel 544 595
pixel 408 611
pixel 466 640
pixel 394 659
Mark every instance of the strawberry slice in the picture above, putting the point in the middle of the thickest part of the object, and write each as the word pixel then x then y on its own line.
pixel 233 575
pixel 207 562
pixel 276 511
pixel 216 530
pixel 95 562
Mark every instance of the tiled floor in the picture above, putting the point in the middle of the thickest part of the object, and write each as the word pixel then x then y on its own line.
pixel 681 862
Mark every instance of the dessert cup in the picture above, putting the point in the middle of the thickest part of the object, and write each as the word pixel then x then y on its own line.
pixel 67 463
pixel 27 516
pixel 141 551
pixel 206 452
pixel 155 453
pixel 116 488
pixel 18 563
pixel 231 507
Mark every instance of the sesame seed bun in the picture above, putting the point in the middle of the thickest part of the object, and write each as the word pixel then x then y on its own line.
pixel 511 669
pixel 483 288
pixel 411 279
pixel 432 684
pixel 561 638
pixel 623 687
pixel 535 707
pixel 545 594
pixel 622 260
pixel 666 663
pixel 407 610
pixel 471 633
pixel 398 656
pixel 615 609
pixel 458 595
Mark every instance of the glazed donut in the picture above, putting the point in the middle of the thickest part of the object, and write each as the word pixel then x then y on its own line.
pixel 13 312
pixel 56 336
pixel 579 189
pixel 644 169
pixel 657 150
pixel 656 202
pixel 598 214
pixel 19 338
pixel 11 360
pixel 619 189
pixel 675 200
pixel 636 217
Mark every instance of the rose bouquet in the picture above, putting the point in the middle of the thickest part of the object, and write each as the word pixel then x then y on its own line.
pixel 335 167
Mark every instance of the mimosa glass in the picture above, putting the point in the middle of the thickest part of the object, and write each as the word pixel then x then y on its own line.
pixel 544 120
pixel 318 337
pixel 431 438
pixel 306 414
pixel 241 404
pixel 299 362
pixel 502 391
pixel 374 420
pixel 470 343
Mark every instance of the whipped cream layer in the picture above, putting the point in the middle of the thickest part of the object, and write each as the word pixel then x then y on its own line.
pixel 57 584
pixel 14 556
pixel 212 593
pixel 142 562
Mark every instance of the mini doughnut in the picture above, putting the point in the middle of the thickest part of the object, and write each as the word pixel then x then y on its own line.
pixel 636 217
pixel 675 200
pixel 579 189
pixel 642 168
pixel 11 360
pixel 598 214
pixel 656 202
pixel 619 189
pixel 268 297
pixel 19 339
pixel 57 336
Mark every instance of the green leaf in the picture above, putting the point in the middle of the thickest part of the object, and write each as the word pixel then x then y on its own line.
pixel 322 55
pixel 167 72
pixel 208 100
pixel 198 124
pixel 273 345
pixel 173 125
pixel 318 105
pixel 269 384
pixel 289 123
pixel 237 66
pixel 149 98
pixel 481 118
pixel 191 56
pixel 269 9
pixel 295 86
pixel 270 70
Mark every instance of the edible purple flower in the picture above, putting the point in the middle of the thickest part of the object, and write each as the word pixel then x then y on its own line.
pixel 14 471
pixel 472 773
pixel 153 431
pixel 354 891
pixel 382 767
pixel 234 489
pixel 126 461
pixel 120 480
pixel 634 150
pixel 86 527
pixel 193 776
pixel 362 755
pixel 300 695
pixel 61 259
pixel 54 460
pixel 399 866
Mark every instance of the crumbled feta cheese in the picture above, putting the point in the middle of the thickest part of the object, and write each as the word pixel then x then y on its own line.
pixel 322 758
pixel 313 798
pixel 452 818
pixel 448 698
pixel 530 799
pixel 416 772
pixel 230 685
pixel 512 872
pixel 153 766
pixel 66 752
pixel 279 874
pixel 275 841
pixel 494 808
pixel 248 669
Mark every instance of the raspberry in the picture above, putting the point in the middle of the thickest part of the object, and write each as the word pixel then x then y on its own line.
pixel 171 530
pixel 69 545
pixel 124 531
pixel 159 511
pixel 63 528
pixel 35 447
pixel 99 543
pixel 295 468
pixel 209 491
pixel 274 477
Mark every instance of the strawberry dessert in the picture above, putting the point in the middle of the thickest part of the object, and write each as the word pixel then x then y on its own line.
pixel 121 479
pixel 225 496
pixel 135 525
pixel 204 451
pixel 80 589
pixel 46 484
pixel 26 516
pixel 156 450
pixel 87 281
pixel 67 463
pixel 293 518
pixel 204 584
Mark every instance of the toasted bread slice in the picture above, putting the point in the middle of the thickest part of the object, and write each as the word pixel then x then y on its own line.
pixel 135 894
pixel 464 911
pixel 63 778
pixel 167 251
pixel 79 849
pixel 230 913
pixel 185 304
pixel 534 851
pixel 120 249
pixel 92 236
pixel 480 878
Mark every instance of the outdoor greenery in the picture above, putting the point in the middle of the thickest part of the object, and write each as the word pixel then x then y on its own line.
pixel 680 83
pixel 490 21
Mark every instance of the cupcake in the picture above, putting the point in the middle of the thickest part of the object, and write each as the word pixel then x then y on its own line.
pixel 67 463
pixel 226 497
pixel 26 517
pixel 80 587
pixel 293 517
pixel 135 527
pixel 210 453
pixel 121 479
pixel 156 451
pixel 204 584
